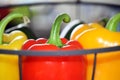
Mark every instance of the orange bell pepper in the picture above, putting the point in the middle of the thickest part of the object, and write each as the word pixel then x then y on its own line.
pixel 94 35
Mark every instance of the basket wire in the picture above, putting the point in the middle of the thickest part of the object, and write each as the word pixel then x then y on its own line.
pixel 59 53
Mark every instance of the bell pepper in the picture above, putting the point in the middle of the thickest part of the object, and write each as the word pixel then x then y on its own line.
pixel 24 28
pixel 22 9
pixel 9 69
pixel 53 67
pixel 66 32
pixel 12 25
pixel 94 35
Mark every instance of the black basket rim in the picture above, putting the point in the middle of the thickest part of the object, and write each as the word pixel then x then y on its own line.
pixel 59 52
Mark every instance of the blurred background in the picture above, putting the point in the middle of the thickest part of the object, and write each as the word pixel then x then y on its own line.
pixel 42 13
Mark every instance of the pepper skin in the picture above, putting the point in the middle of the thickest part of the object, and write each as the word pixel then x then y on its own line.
pixel 96 36
pixel 21 9
pixel 24 28
pixel 9 69
pixel 53 67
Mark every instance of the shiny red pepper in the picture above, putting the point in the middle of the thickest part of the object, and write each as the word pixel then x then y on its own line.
pixel 53 67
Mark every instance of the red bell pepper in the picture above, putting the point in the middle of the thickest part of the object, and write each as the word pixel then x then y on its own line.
pixel 53 67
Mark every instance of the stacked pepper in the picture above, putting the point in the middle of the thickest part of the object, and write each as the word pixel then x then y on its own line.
pixel 66 32
pixel 53 67
pixel 21 9
pixel 24 28
pixel 11 26
pixel 9 63
pixel 94 35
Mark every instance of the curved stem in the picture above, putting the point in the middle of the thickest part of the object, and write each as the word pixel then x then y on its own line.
pixel 54 35
pixel 5 21
pixel 113 23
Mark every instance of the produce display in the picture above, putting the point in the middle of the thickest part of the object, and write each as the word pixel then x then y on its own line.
pixel 75 37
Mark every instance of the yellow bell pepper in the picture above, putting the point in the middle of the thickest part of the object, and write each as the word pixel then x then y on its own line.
pixel 9 69
pixel 94 35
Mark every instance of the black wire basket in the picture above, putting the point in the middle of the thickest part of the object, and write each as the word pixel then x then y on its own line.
pixel 60 53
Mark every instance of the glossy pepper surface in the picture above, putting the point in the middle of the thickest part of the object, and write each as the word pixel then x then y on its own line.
pixel 66 32
pixel 9 69
pixel 54 67
pixel 24 28
pixel 96 36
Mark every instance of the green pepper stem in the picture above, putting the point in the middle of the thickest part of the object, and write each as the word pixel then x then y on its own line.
pixel 5 21
pixel 54 35
pixel 113 23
